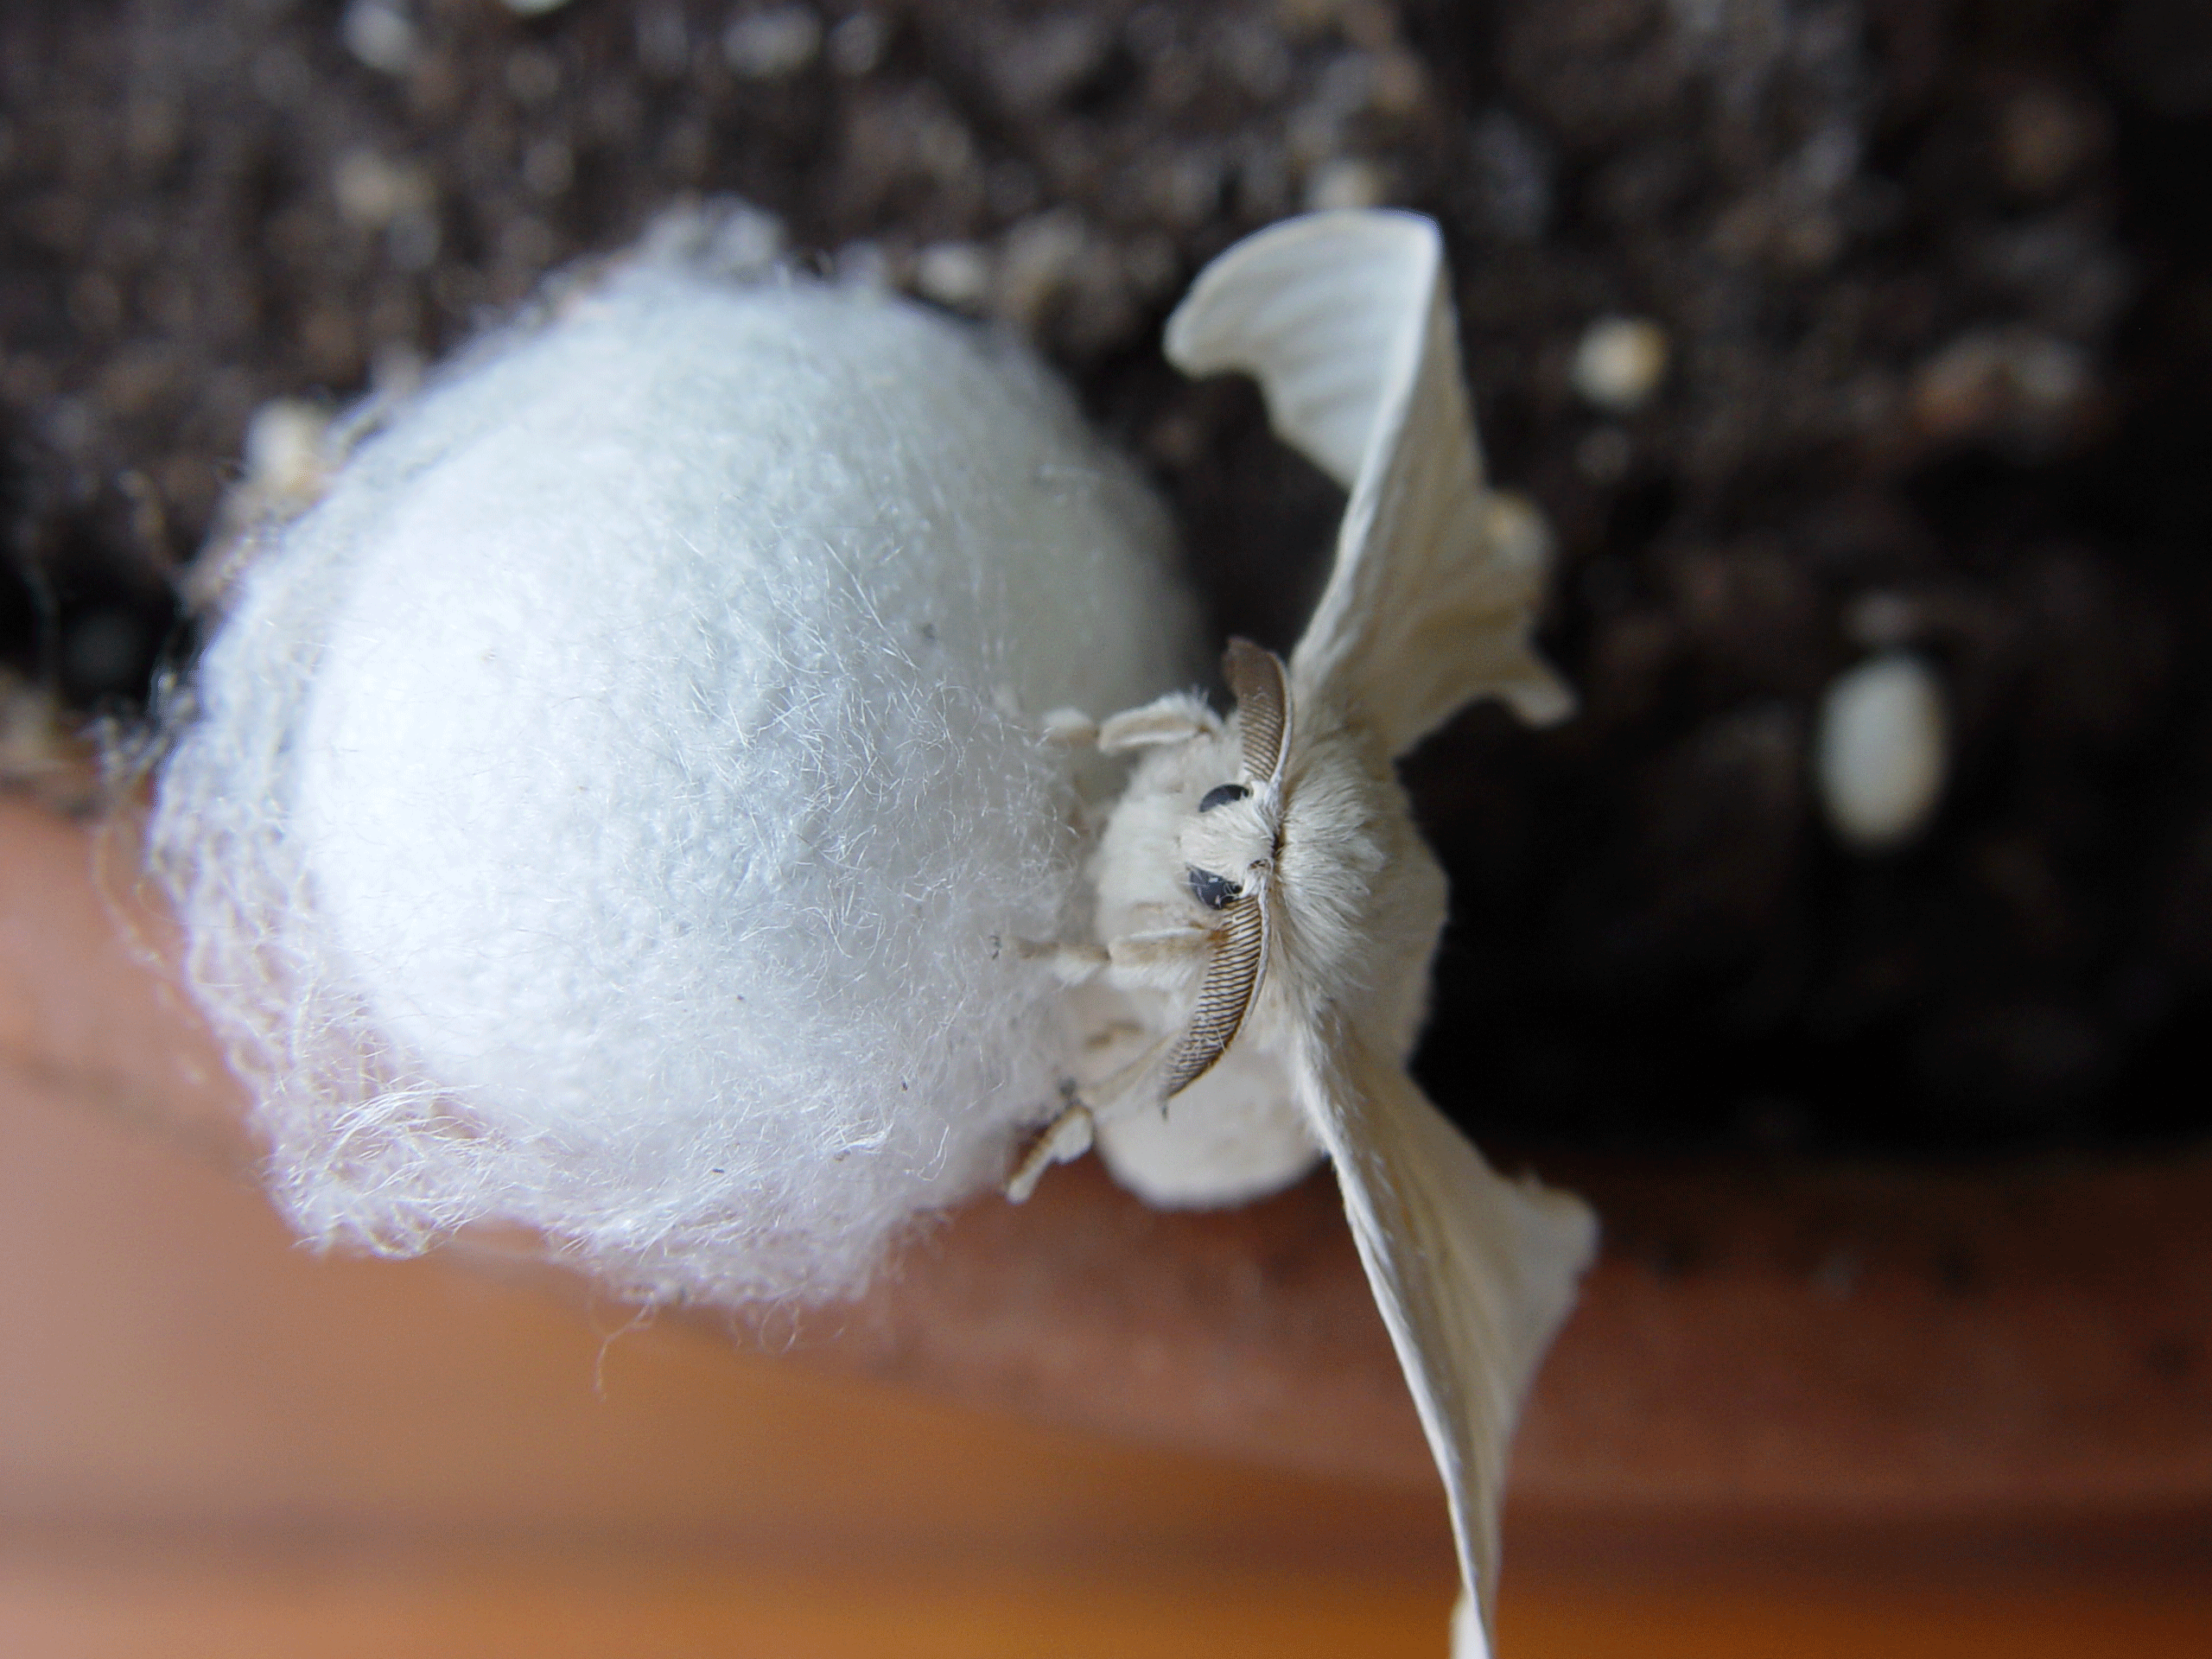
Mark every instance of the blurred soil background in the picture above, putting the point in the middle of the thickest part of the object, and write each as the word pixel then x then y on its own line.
pixel 1933 283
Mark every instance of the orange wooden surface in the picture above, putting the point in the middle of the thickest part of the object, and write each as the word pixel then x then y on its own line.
pixel 1824 1341
pixel 214 1443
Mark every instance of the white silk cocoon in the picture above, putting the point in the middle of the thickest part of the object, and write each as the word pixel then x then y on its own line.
pixel 610 810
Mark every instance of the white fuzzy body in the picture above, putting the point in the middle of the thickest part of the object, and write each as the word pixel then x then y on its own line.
pixel 608 811
pixel 1361 897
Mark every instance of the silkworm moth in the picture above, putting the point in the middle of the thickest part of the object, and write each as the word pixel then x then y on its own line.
pixel 1262 887
pixel 599 809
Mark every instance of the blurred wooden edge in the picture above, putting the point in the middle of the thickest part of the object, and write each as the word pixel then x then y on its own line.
pixel 183 1605
pixel 2024 1342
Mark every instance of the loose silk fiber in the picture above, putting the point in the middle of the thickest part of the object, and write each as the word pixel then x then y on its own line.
pixel 610 809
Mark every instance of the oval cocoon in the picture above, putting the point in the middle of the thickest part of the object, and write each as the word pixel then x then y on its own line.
pixel 610 808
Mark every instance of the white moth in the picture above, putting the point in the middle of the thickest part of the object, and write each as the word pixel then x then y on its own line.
pixel 1262 891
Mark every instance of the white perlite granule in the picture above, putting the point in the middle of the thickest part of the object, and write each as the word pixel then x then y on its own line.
pixel 610 809
pixel 1881 751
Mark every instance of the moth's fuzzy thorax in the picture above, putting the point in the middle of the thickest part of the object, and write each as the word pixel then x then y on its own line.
pixel 1358 897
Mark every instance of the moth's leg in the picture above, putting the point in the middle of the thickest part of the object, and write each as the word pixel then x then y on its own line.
pixel 1151 957
pixel 1163 960
pixel 1176 718
pixel 1066 1138
pixel 1069 962
pixel 1150 916
pixel 1071 727
pixel 1115 1034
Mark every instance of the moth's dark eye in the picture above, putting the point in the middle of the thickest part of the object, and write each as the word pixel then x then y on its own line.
pixel 1214 892
pixel 1222 795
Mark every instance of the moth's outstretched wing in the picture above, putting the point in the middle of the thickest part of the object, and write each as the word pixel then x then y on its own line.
pixel 1473 1274
pixel 1346 319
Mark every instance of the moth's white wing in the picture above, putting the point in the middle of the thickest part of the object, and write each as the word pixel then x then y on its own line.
pixel 1313 308
pixel 1473 1274
pixel 1346 319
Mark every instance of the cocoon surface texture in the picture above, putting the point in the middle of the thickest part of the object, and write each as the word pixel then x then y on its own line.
pixel 610 809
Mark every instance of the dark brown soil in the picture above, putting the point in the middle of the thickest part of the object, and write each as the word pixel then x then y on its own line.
pixel 1937 281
